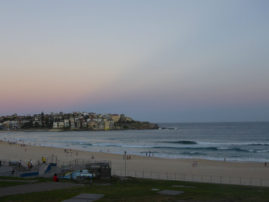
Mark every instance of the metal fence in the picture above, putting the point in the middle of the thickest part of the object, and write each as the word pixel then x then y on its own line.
pixel 193 178
pixel 80 164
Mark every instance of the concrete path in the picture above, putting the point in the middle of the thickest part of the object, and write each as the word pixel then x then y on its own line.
pixel 26 181
pixel 171 192
pixel 38 187
pixel 85 198
pixel 5 170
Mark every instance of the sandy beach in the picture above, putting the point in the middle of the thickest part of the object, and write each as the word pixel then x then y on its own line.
pixel 253 173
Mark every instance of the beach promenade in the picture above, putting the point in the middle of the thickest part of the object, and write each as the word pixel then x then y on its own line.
pixel 224 172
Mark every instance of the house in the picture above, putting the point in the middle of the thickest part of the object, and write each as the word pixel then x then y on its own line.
pixel 92 125
pixel 101 125
pixel 66 123
pixel 72 123
pixel 13 124
pixel 115 117
pixel 106 124
pixel 84 124
pixel 58 124
pixel 78 124
pixel 55 125
pixel 6 124
pixel 61 124
pixel 111 125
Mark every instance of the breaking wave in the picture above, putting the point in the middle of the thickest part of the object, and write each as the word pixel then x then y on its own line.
pixel 182 142
pixel 235 149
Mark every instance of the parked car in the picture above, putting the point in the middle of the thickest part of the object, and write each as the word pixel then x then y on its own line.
pixel 78 174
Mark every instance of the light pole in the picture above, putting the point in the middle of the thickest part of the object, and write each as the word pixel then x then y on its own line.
pixel 125 161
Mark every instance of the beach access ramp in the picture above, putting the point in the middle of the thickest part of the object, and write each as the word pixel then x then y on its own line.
pixel 48 169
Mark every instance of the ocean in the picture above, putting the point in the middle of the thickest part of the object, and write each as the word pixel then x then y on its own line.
pixel 215 141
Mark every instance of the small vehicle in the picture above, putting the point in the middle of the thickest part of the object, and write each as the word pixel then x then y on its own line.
pixel 78 174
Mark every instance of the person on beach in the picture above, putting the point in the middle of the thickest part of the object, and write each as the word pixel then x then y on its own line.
pixel 55 178
pixel 30 164
pixel 43 159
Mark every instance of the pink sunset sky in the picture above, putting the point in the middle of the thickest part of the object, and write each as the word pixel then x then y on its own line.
pixel 163 61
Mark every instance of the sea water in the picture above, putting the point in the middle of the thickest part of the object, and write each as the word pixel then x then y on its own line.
pixel 217 141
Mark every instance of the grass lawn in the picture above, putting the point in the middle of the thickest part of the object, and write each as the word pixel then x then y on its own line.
pixel 13 181
pixel 141 190
pixel 9 184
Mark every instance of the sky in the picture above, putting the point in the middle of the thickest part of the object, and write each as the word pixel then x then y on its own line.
pixel 154 60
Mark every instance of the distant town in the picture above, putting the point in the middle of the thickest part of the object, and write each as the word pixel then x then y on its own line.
pixel 72 121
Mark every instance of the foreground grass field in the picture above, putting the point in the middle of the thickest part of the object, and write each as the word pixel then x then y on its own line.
pixel 141 190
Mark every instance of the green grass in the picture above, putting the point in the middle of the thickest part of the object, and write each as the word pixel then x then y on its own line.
pixel 9 184
pixel 13 181
pixel 141 190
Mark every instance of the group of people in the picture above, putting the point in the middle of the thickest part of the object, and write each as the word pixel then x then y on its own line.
pixel 149 154
pixel 30 163
pixel 68 151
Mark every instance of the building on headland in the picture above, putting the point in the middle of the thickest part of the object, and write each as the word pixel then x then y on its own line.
pixel 14 124
pixel 55 125
pixel 61 124
pixel 92 125
pixel 78 124
pixel 66 123
pixel 84 124
pixel 72 121
pixel 115 117
pixel 58 125
pixel 101 125
pixel 106 124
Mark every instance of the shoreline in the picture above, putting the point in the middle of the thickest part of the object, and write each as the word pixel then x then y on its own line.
pixel 153 167
pixel 138 155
